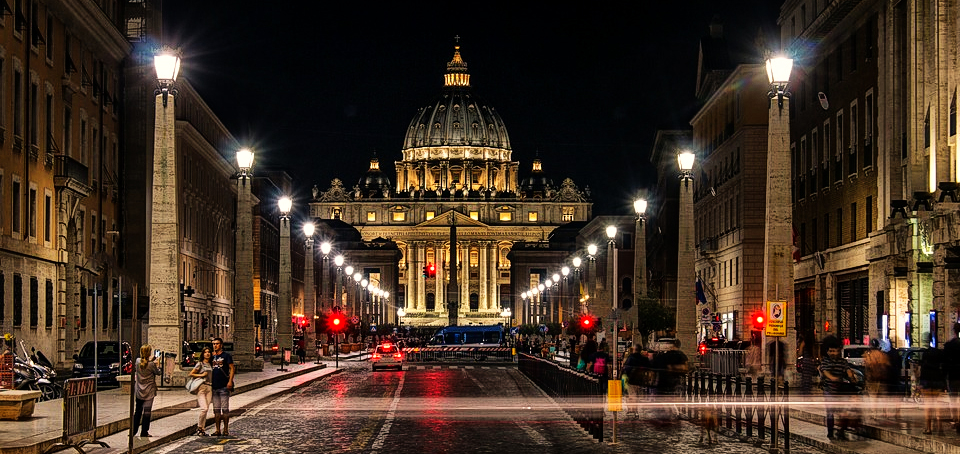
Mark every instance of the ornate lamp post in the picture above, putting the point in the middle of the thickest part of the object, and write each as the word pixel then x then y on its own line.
pixel 165 311
pixel 576 283
pixel 565 271
pixel 309 291
pixel 639 257
pixel 612 280
pixel 591 270
pixel 686 272
pixel 246 332
pixel 284 308
pixel 400 314
pixel 325 248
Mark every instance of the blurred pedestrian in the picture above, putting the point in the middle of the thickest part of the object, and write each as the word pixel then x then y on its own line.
pixel 671 366
pixel 587 351
pixel 146 389
pixel 836 375
pixel 807 368
pixel 204 370
pixel 302 351
pixel 932 385
pixel 876 366
pixel 951 366
pixel 895 379
pixel 754 358
pixel 602 361
pixel 635 368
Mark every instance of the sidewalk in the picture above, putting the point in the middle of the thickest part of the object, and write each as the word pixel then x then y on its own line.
pixel 45 428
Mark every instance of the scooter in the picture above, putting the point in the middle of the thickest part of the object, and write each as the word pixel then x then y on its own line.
pixel 44 373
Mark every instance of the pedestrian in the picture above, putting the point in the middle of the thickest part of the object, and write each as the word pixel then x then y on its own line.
pixel 587 352
pixel 807 367
pixel 876 366
pixel 894 378
pixel 222 385
pixel 671 367
pixel 635 368
pixel 204 370
pixel 146 389
pixel 951 366
pixel 302 351
pixel 601 361
pixel 932 385
pixel 754 356
pixel 836 374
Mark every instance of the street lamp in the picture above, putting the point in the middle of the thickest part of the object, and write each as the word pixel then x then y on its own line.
pixel 309 290
pixel 778 250
pixel 246 331
pixel 686 270
pixel 284 309
pixel 400 314
pixel 165 311
pixel 325 248
pixel 612 284
pixel 639 257
pixel 357 305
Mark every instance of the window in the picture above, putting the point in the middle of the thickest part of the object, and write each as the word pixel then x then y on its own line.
pixel 67 119
pixel 839 226
pixel 826 231
pixel 854 138
pixel 431 215
pixel 17 300
pixel 566 214
pixel 15 214
pixel 399 216
pixel 34 118
pixel 48 125
pixel 49 43
pixel 825 156
pixel 868 214
pixel 475 215
pixel 868 129
pixel 34 302
pixel 814 156
pixel 506 216
pixel 83 307
pixel 337 213
pixel 32 219
pixel 371 216
pixel 18 107
pixel 853 221
pixel 532 216
pixel 838 159
pixel 47 214
pixel 3 300
pixel 83 140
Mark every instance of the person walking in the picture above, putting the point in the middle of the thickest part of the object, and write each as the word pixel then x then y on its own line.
pixel 951 367
pixel 222 384
pixel 876 365
pixel 932 385
pixel 635 368
pixel 836 374
pixel 602 361
pixel 146 390
pixel 204 370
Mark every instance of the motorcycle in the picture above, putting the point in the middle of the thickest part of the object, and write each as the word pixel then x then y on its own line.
pixel 38 373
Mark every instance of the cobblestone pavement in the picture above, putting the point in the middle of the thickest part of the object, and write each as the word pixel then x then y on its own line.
pixel 436 409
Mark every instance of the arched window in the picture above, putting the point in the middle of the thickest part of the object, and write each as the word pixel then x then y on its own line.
pixel 474 302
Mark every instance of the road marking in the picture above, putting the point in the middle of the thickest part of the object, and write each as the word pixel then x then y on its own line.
pixel 388 422
pixel 536 436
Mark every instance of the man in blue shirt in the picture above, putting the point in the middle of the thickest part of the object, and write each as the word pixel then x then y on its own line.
pixel 223 371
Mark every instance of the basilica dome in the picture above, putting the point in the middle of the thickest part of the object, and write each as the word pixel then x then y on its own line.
pixel 457 119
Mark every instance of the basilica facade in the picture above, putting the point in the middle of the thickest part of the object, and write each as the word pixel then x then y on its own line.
pixel 457 206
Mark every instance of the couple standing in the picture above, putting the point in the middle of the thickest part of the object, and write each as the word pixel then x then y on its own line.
pixel 217 370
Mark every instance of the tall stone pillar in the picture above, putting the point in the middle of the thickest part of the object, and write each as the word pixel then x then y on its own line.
pixel 484 276
pixel 309 298
pixel 164 331
pixel 244 329
pixel 686 314
pixel 284 306
pixel 493 297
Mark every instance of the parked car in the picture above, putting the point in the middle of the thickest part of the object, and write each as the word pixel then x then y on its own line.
pixel 109 362
pixel 854 355
pixel 193 349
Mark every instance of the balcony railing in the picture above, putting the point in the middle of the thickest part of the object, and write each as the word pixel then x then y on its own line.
pixel 67 169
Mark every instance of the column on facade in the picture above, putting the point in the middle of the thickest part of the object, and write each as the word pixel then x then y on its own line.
pixel 493 299
pixel 502 184
pixel 409 293
pixel 467 175
pixel 439 296
pixel 420 296
pixel 486 176
pixel 484 275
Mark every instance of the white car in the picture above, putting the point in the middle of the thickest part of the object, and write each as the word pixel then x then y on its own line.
pixel 386 354
pixel 854 354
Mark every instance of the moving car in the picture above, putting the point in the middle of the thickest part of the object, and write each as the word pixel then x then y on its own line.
pixel 109 362
pixel 386 354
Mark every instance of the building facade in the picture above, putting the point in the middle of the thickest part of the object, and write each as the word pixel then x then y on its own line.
pixel 456 174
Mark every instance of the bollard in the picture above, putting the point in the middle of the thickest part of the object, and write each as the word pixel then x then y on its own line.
pixel 761 409
pixel 750 409
pixel 786 418
pixel 727 409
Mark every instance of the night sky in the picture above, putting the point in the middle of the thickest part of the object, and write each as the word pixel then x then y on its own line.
pixel 316 89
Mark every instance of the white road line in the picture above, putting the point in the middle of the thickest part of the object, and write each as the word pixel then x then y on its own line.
pixel 388 421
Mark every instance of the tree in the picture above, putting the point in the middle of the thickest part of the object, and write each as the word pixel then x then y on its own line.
pixel 652 317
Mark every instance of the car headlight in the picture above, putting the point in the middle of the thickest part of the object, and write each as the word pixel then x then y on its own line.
pixel 77 366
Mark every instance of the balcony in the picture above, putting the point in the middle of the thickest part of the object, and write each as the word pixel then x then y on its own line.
pixel 70 173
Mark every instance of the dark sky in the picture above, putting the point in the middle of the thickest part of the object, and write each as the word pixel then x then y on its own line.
pixel 317 89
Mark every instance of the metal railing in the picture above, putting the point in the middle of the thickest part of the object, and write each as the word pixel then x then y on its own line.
pixel 725 361
pixel 741 405
pixel 79 414
pixel 431 354
pixel 581 395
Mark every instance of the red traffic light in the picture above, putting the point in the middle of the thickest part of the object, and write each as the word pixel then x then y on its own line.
pixel 336 322
pixel 586 322
pixel 759 320
pixel 431 270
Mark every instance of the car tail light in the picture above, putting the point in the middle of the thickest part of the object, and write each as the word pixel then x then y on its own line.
pixel 397 355
pixel 375 356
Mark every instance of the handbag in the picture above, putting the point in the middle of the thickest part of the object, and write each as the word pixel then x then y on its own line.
pixel 193 384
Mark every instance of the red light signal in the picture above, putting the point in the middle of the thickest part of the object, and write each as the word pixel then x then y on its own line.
pixel 431 270
pixel 337 322
pixel 759 321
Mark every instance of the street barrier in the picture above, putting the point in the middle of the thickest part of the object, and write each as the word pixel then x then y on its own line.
pixel 430 354
pixel 581 395
pixel 79 414
pixel 725 361
pixel 742 406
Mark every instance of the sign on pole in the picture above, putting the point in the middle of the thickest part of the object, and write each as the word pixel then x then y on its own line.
pixel 776 319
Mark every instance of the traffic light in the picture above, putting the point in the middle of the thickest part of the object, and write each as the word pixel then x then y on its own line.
pixel 431 270
pixel 759 320
pixel 588 323
pixel 425 273
pixel 337 322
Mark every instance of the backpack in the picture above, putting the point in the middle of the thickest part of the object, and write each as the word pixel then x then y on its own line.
pixel 600 365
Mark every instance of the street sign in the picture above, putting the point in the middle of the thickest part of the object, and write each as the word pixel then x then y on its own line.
pixel 776 319
pixel 544 329
pixel 355 320
pixel 514 331
pixel 373 328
